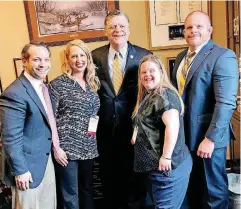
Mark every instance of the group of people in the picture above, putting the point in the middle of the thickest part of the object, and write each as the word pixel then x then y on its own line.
pixel 167 138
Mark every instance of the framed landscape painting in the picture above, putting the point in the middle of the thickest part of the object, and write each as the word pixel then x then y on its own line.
pixel 57 22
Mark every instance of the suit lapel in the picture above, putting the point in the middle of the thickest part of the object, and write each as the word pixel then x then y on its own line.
pixel 33 95
pixel 130 60
pixel 201 56
pixel 176 66
pixel 130 57
pixel 104 61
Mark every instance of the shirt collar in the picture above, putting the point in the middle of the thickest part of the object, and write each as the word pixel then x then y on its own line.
pixel 199 48
pixel 123 52
pixel 35 82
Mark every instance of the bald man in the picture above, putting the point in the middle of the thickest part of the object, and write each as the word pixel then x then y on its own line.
pixel 206 76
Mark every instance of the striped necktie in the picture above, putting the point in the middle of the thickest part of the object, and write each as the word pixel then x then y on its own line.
pixel 184 71
pixel 117 74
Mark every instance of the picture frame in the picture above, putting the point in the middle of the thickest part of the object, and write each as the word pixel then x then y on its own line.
pixel 18 67
pixel 1 88
pixel 62 21
pixel 236 21
pixel 166 21
pixel 170 65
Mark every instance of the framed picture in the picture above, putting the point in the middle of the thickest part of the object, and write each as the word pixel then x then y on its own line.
pixel 236 22
pixel 166 21
pixel 18 66
pixel 170 65
pixel 57 22
pixel 1 88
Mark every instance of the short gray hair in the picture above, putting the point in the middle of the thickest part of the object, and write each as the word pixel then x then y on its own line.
pixel 115 13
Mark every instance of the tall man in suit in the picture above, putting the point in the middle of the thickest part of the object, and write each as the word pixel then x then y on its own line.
pixel 208 83
pixel 117 70
pixel 26 133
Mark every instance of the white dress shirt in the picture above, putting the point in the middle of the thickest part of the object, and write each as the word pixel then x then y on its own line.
pixel 181 66
pixel 36 83
pixel 123 57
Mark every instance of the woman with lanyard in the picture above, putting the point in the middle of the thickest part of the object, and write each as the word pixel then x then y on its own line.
pixel 76 103
pixel 158 138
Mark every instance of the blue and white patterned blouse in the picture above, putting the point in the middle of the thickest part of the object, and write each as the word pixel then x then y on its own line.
pixel 73 108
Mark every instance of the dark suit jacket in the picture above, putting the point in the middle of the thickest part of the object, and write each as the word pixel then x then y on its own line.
pixel 26 133
pixel 209 95
pixel 116 110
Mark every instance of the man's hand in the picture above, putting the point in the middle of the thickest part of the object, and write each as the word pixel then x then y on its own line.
pixel 22 181
pixel 206 148
pixel 60 156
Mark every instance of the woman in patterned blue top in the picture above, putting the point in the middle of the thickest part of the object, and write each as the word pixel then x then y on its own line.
pixel 159 143
pixel 76 103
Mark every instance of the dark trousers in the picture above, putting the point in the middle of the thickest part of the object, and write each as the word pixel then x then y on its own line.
pixel 123 189
pixel 76 184
pixel 168 189
pixel 208 187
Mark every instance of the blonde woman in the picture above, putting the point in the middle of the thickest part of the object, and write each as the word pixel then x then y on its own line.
pixel 160 150
pixel 76 104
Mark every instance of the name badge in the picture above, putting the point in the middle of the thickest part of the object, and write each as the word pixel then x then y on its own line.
pixel 133 139
pixel 93 123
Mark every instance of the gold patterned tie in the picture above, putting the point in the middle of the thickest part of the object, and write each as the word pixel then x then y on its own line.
pixel 184 72
pixel 117 74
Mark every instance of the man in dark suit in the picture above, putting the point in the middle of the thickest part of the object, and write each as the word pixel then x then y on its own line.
pixel 26 133
pixel 208 83
pixel 118 94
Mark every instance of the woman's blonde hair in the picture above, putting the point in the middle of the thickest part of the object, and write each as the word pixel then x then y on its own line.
pixel 164 82
pixel 89 75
